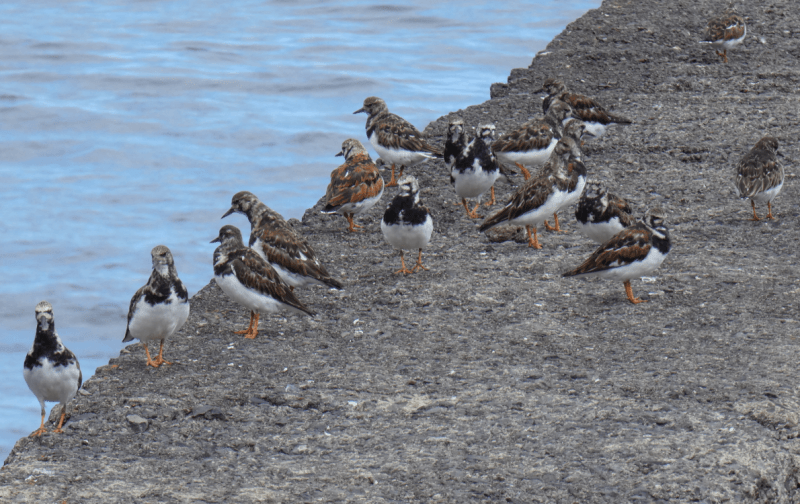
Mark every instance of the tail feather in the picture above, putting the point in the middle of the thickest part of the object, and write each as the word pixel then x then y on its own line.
pixel 494 220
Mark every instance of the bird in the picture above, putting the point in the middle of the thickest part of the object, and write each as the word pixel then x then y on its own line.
pixel 636 251
pixel 356 186
pixel 759 175
pixel 456 142
pixel 277 243
pixel 407 224
pixel 249 280
pixel 577 130
pixel 577 173
pixel 395 139
pixel 532 143
pixel 601 214
pixel 543 195
pixel 51 371
pixel 160 307
pixel 725 31
pixel 475 169
pixel 589 111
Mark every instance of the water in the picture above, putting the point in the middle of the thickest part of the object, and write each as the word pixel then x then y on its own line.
pixel 126 125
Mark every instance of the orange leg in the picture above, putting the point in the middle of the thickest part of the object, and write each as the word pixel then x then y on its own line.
pixel 403 270
pixel 353 225
pixel 160 359
pixel 534 241
pixel 61 420
pixel 753 204
pixel 150 361
pixel 629 292
pixel 769 215
pixel 253 331
pixel 393 181
pixel 41 430
pixel 723 55
pixel 493 201
pixel 555 228
pixel 471 213
pixel 419 263
pixel 525 172
pixel 250 327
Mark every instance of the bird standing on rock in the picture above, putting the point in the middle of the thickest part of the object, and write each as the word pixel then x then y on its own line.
pixel 475 169
pixel 250 281
pixel 277 243
pixel 407 224
pixel 51 371
pixel 759 175
pixel 356 186
pixel 726 31
pixel 596 118
pixel 160 307
pixel 395 139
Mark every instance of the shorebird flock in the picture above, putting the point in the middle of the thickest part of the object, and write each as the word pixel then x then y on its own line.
pixel 546 152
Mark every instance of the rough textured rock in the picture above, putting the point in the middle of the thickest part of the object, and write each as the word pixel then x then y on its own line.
pixel 489 377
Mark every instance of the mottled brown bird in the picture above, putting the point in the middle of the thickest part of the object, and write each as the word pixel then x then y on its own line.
pixel 356 186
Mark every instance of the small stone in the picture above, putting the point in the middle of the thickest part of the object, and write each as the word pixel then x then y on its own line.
pixel 137 423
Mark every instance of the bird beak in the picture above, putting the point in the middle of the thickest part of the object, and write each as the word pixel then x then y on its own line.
pixel 779 153
pixel 359 110
pixel 228 213
pixel 340 154
pixel 215 240
pixel 540 90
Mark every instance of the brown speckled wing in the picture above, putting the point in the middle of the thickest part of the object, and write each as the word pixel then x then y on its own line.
pixel 394 132
pixel 758 171
pixel 533 135
pixel 282 246
pixel 630 244
pixel 254 273
pixel 725 27
pixel 588 110
pixel 354 181
pixel 529 196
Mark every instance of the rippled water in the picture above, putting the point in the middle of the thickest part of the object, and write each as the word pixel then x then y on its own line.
pixel 125 125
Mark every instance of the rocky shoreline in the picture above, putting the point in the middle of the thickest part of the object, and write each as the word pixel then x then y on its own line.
pixel 490 378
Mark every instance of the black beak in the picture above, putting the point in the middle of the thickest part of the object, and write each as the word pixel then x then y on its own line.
pixel 779 153
pixel 215 240
pixel 228 213
pixel 340 154
pixel 359 110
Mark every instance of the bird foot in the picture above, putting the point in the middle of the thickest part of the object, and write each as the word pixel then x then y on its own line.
pixel 403 270
pixel 629 292
pixel 493 200
pixel 157 362
pixel 38 432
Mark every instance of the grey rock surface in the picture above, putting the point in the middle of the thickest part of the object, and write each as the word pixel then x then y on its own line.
pixel 490 378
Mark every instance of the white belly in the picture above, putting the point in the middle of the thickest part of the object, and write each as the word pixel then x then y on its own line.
pixel 600 232
pixel 473 182
pixel 530 158
pixel 634 270
pixel 573 197
pixel 536 217
pixel 51 383
pixel 404 236
pixel 249 298
pixel 359 207
pixel 288 276
pixel 768 195
pixel 398 157
pixel 160 321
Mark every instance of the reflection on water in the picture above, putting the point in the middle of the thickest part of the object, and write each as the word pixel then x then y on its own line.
pixel 127 125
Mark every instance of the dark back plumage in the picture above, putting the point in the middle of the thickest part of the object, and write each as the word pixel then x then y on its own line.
pixel 584 108
pixel 728 26
pixel 599 205
pixel 478 149
pixel 456 141
pixel 759 170
pixel 393 131
pixel 356 180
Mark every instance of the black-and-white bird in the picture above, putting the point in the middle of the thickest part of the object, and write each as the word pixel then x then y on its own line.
pixel 407 224
pixel 634 252
pixel 356 186
pixel 277 243
pixel 160 307
pixel 250 280
pixel 596 118
pixel 601 214
pixel 51 371
pixel 397 141
pixel 759 175
pixel 475 170
pixel 456 142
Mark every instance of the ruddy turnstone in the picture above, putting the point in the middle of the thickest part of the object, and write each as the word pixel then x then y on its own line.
pixel 395 139
pixel 277 243
pixel 456 141
pixel 541 196
pixel 726 31
pixel 51 371
pixel 160 307
pixel 249 280
pixel 407 224
pixel 759 175
pixel 355 186
pixel 475 170
pixel 596 118
pixel 636 251
pixel 532 143
pixel 601 214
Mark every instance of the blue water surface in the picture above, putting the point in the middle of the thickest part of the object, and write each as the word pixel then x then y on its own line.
pixel 124 125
